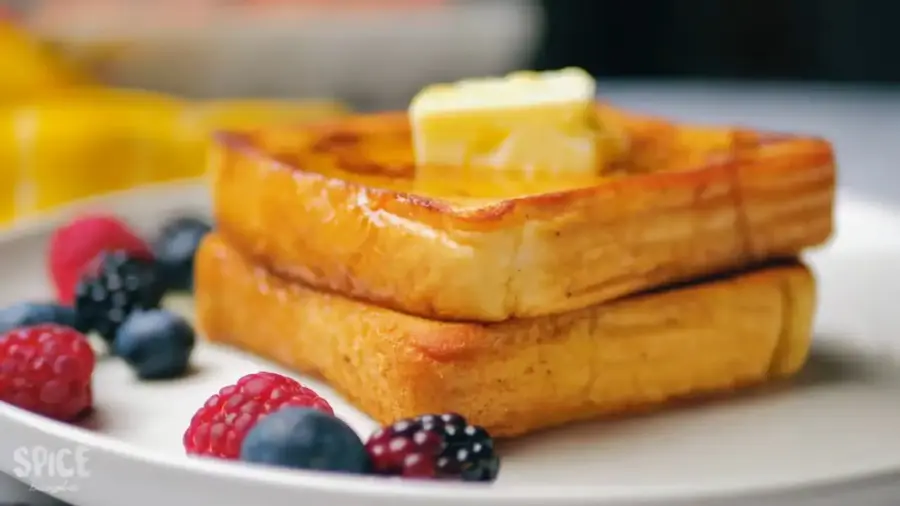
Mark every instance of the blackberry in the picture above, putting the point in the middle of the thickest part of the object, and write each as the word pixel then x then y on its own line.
pixel 120 285
pixel 434 446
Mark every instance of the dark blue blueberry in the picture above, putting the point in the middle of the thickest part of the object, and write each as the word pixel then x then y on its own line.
pixel 26 314
pixel 175 249
pixel 304 438
pixel 156 343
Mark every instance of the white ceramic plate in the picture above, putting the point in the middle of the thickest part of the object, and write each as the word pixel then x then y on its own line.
pixel 832 439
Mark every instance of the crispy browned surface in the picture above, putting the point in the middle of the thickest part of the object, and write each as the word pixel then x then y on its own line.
pixel 334 206
pixel 521 375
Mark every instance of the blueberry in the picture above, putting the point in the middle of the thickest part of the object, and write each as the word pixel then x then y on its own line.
pixel 26 314
pixel 175 249
pixel 157 343
pixel 304 438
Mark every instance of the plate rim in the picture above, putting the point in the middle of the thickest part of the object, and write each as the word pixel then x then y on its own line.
pixel 377 487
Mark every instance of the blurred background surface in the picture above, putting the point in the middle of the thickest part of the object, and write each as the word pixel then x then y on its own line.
pixel 829 40
pixel 378 52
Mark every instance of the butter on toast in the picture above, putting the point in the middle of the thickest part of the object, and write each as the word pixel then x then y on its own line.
pixel 516 376
pixel 337 206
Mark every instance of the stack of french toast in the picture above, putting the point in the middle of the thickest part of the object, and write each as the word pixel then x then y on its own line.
pixel 514 251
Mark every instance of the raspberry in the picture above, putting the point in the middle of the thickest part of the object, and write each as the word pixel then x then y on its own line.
pixel 47 369
pixel 434 446
pixel 120 286
pixel 219 427
pixel 75 246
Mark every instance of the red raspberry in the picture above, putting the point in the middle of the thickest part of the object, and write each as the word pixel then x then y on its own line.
pixel 219 427
pixel 47 369
pixel 75 247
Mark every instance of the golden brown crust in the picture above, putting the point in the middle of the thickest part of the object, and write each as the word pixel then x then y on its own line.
pixel 521 375
pixel 334 206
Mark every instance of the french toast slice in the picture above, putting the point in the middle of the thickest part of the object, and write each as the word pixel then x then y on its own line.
pixel 516 376
pixel 340 206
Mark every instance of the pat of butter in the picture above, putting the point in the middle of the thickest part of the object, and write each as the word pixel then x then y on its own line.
pixel 525 121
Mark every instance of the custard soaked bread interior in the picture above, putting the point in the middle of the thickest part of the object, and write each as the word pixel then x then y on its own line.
pixel 516 376
pixel 342 207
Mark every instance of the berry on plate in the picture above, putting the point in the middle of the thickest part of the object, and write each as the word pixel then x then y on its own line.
pixel 434 446
pixel 26 314
pixel 74 248
pixel 122 284
pixel 175 249
pixel 219 427
pixel 47 369
pixel 157 343
pixel 304 438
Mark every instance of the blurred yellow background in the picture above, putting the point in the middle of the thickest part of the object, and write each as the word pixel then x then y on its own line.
pixel 64 136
